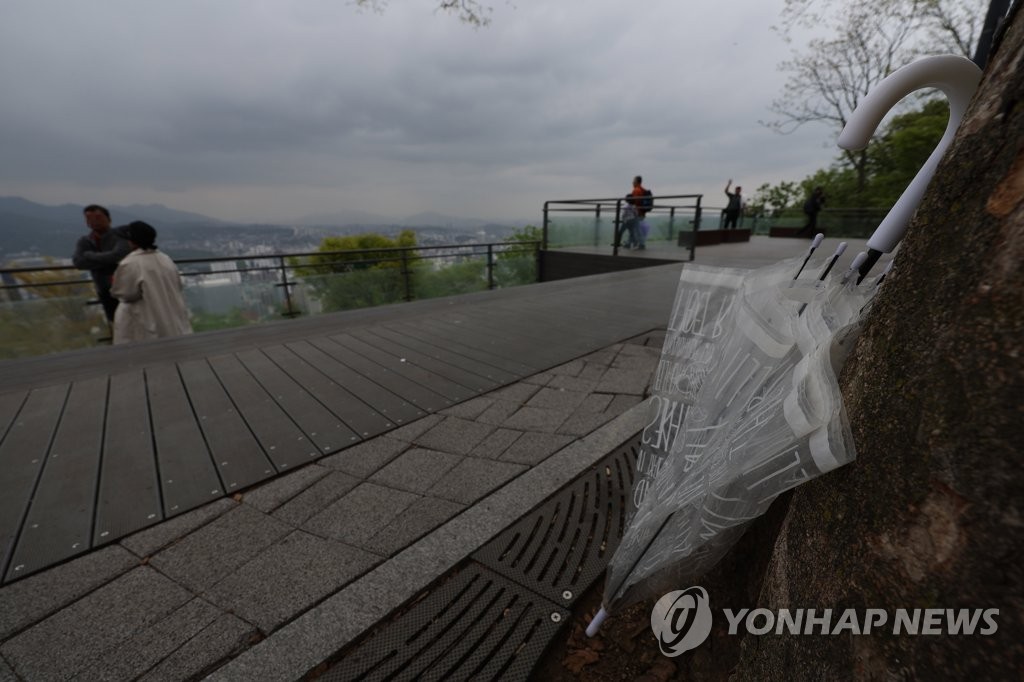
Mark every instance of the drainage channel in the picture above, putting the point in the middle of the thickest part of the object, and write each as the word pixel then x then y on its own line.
pixel 493 617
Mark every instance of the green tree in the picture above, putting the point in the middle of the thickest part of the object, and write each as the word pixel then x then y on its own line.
pixel 896 156
pixel 358 271
pixel 517 264
pixel 771 200
pixel 868 42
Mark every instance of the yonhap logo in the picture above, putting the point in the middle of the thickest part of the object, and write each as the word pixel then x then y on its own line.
pixel 681 620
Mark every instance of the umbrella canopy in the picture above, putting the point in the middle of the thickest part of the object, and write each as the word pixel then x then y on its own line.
pixel 745 405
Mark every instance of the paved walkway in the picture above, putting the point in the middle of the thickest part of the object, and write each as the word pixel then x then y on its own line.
pixel 268 584
pixel 271 582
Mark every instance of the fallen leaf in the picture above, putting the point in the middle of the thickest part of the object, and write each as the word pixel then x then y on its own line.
pixel 579 659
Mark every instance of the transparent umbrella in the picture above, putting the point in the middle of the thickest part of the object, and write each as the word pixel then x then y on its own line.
pixel 745 402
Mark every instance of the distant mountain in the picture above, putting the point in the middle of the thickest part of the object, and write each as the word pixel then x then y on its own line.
pixel 71 214
pixel 444 221
pixel 158 215
pixel 342 218
pixel 31 229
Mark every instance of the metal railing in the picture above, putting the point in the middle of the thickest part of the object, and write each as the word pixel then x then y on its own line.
pixel 669 215
pixel 50 308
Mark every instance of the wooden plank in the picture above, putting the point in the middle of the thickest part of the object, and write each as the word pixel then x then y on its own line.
pixel 465 343
pixel 359 416
pixel 283 441
pixel 59 520
pixel 405 351
pixel 493 343
pixel 22 457
pixel 129 488
pixel 388 404
pixel 188 478
pixel 509 338
pixel 237 454
pixel 419 395
pixel 442 350
pixel 322 427
pixel 452 392
pixel 10 405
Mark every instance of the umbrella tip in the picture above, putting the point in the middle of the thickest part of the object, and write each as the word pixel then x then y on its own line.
pixel 816 242
pixel 858 260
pixel 595 624
pixel 840 248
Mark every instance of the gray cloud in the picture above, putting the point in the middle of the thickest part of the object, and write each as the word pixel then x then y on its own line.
pixel 263 109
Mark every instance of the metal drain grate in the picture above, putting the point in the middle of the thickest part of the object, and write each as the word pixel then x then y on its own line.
pixel 560 548
pixel 476 626
pixel 496 615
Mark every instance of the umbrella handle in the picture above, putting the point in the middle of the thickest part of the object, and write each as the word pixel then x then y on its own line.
pixel 958 78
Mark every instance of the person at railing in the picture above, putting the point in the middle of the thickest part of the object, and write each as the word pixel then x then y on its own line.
pixel 734 207
pixel 812 207
pixel 630 219
pixel 99 252
pixel 149 288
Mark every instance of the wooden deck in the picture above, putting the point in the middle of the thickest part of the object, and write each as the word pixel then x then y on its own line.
pixel 97 444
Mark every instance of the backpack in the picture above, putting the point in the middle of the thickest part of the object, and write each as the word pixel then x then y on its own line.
pixel 647 202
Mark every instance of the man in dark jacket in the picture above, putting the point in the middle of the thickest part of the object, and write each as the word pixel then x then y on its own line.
pixel 99 252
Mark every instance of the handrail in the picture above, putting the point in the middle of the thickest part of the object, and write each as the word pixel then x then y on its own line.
pixel 662 202
pixel 474 249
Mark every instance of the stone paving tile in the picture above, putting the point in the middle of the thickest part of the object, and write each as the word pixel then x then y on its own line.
pixel 289 577
pixel 593 372
pixel 532 448
pixel 564 381
pixel 496 444
pixel 472 478
pixel 455 435
pixel 364 459
pixel 557 399
pixel 423 516
pixel 416 470
pixel 581 423
pixel 215 550
pixel 148 647
pixel 361 514
pixel 536 419
pixel 409 432
pixel 500 411
pixel 621 403
pixel 571 368
pixel 6 674
pixel 315 498
pixel 470 409
pixel 150 540
pixel 270 495
pixel 605 356
pixel 220 641
pixel 518 392
pixel 596 402
pixel 83 633
pixel 31 599
pixel 624 381
pixel 541 379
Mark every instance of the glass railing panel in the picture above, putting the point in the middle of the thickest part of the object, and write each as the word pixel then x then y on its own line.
pixel 331 291
pixel 449 275
pixel 236 299
pixel 515 267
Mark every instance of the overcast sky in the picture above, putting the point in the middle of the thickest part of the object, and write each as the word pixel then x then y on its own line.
pixel 274 109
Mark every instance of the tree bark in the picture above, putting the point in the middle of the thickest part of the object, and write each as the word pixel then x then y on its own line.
pixel 931 514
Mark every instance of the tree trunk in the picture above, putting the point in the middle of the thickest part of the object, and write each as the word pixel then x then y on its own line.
pixel 931 513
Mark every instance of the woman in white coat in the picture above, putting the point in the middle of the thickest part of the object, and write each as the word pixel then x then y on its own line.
pixel 149 288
